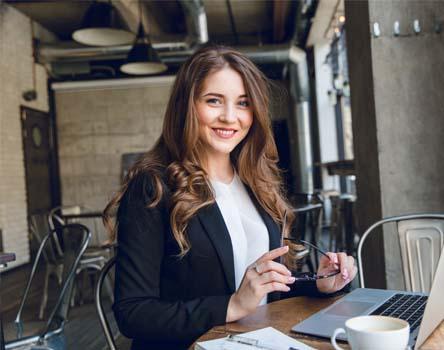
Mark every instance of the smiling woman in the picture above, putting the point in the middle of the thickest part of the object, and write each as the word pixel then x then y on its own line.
pixel 198 215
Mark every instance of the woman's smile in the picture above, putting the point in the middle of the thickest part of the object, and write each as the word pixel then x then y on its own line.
pixel 224 133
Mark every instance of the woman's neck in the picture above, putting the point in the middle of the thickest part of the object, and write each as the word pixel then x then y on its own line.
pixel 220 168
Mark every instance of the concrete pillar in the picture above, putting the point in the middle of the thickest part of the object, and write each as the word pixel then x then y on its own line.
pixel 397 94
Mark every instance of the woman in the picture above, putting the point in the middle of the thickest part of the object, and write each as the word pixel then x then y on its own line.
pixel 199 216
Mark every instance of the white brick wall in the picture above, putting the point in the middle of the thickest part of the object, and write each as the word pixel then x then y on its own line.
pixel 96 124
pixel 15 77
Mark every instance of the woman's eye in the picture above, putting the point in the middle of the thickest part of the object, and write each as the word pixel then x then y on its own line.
pixel 244 103
pixel 213 101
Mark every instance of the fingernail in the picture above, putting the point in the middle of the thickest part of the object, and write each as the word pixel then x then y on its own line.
pixel 288 289
pixel 345 275
pixel 291 279
pixel 347 280
pixel 288 272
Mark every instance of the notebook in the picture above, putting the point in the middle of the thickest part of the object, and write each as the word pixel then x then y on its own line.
pixel 268 335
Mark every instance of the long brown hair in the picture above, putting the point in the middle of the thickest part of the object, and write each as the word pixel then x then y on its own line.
pixel 178 152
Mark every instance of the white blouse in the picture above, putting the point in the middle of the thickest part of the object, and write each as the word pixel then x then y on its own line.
pixel 248 233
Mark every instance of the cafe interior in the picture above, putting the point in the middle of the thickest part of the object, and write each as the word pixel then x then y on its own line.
pixel 357 115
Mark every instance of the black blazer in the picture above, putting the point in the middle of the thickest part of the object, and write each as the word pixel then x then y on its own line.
pixel 166 302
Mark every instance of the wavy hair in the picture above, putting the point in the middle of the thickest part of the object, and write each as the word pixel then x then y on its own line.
pixel 178 152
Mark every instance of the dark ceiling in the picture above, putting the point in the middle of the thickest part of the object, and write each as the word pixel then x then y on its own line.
pixel 253 21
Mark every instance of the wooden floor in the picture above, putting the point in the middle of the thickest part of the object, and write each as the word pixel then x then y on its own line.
pixel 82 330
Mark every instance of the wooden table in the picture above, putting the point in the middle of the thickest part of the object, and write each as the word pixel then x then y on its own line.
pixel 284 314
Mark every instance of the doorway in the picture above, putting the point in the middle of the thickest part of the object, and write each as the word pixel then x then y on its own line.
pixel 42 190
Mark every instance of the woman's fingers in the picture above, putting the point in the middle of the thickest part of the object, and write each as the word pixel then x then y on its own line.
pixel 271 265
pixel 273 276
pixel 347 267
pixel 276 287
pixel 272 254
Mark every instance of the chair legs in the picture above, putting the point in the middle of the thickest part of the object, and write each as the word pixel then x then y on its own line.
pixel 50 269
pixel 45 291
pixel 97 265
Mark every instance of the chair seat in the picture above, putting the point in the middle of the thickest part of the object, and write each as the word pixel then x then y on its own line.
pixel 96 251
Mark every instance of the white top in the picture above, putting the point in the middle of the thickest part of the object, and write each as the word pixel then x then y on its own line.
pixel 248 233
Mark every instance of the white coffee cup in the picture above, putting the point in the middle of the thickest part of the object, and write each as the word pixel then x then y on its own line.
pixel 374 332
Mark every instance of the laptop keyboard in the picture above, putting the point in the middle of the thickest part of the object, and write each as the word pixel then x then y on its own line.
pixel 404 306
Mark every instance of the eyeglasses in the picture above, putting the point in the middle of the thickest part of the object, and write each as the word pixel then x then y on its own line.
pixel 306 276
pixel 309 276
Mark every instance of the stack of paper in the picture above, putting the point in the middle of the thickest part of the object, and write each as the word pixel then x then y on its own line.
pixel 268 338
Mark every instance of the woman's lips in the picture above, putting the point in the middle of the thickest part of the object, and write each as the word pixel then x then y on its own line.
pixel 225 133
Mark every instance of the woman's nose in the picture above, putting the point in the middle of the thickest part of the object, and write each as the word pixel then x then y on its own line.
pixel 229 113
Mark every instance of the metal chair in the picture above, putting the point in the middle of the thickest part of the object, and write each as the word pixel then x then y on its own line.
pixel 421 239
pixel 52 254
pixel 342 226
pixel 308 225
pixel 99 304
pixel 96 254
pixel 75 240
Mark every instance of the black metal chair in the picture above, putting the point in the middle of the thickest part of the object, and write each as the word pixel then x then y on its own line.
pixel 308 208
pixel 52 254
pixel 51 336
pixel 99 304
pixel 97 252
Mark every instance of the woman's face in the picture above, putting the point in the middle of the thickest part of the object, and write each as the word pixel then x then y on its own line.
pixel 223 111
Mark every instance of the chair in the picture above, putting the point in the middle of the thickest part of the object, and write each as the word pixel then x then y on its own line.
pixel 96 254
pixel 99 304
pixel 75 240
pixel 52 254
pixel 308 210
pixel 421 238
pixel 342 226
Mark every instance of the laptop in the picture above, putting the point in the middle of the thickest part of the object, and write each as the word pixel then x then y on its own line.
pixel 423 312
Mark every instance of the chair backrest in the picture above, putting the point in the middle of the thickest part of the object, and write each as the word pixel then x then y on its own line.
pixel 98 231
pixel 99 304
pixel 75 240
pixel 308 217
pixel 421 239
pixel 39 227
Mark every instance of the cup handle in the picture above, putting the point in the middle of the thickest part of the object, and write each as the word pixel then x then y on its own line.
pixel 333 338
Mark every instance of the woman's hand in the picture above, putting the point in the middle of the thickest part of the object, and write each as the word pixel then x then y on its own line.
pixel 345 263
pixel 262 277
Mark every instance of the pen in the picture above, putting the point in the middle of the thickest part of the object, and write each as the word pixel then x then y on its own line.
pixel 255 343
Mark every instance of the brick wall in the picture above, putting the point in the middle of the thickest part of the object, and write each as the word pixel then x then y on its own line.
pixel 16 76
pixel 96 123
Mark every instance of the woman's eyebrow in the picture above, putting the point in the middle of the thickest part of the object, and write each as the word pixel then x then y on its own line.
pixel 221 95
pixel 213 94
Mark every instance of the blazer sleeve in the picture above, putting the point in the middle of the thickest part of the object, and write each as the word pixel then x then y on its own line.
pixel 139 310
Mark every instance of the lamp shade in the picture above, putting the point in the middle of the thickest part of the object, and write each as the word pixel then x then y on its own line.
pixel 143 59
pixel 102 25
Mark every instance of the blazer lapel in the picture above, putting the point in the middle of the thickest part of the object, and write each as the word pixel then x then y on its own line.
pixel 213 222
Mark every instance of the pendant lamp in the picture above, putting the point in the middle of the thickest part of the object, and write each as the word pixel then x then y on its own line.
pixel 143 58
pixel 103 25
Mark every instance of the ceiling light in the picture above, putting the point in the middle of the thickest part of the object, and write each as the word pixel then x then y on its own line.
pixel 102 25
pixel 143 58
